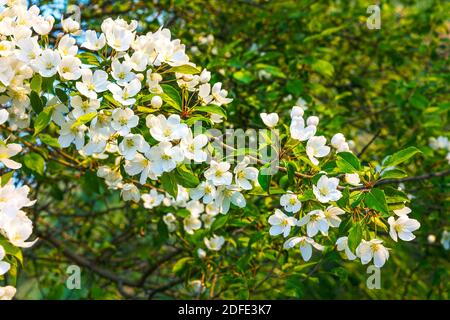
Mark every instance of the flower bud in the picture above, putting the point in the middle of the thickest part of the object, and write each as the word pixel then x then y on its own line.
pixel 297 112
pixel 156 102
pixel 337 140
pixel 312 121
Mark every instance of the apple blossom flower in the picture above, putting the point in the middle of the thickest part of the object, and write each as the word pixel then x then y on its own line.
pixel 403 228
pixel 316 148
pixel 47 63
pixel 326 189
pixel 306 244
pixel 245 174
pixel 214 243
pixel 290 202
pixel 7 151
pixel 342 245
pixel 353 179
pixel 7 293
pixel 131 144
pixel 297 112
pixel 299 131
pixel 123 120
pixel 332 216
pixel 373 249
pixel 125 95
pixel 219 95
pixel 169 129
pixel 165 157
pixel 191 223
pixel 140 165
pixel 270 120
pixel 402 212
pixel 118 37
pixel 195 207
pixel 170 221
pixel 315 221
pixel 138 61
pixel 93 42
pixel 121 72
pixel 71 26
pixel 70 134
pixel 218 173
pixel 205 191
pixel 152 199
pixel 193 147
pixel 130 192
pixel 67 46
pixel 82 107
pixel 92 83
pixel 227 195
pixel 70 68
pixel 281 223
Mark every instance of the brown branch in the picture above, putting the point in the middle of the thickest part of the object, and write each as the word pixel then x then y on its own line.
pixel 377 134
pixel 425 176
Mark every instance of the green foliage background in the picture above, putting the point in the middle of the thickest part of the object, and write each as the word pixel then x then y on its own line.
pixel 391 84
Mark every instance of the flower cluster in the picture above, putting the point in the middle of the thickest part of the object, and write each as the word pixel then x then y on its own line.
pixel 15 226
pixel 327 215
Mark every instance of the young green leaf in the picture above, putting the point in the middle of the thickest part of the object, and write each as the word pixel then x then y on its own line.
pixel 34 162
pixel 400 157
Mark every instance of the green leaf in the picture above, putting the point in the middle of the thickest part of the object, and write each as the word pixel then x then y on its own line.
pixel 169 183
pixel 12 250
pixel 181 264
pixel 354 236
pixel 394 195
pixel 347 162
pixel 62 95
pixel 243 76
pixel 42 120
pixel 219 222
pixel 183 213
pixel 294 87
pixel 264 179
pixel 36 83
pixel 273 70
pixel 34 162
pixel 323 67
pixel 393 174
pixel 400 157
pixel 186 177
pixel 5 178
pixel 212 108
pixel 89 58
pixel 84 119
pixel 376 200
pixel 186 69
pixel 36 102
pixel 49 140
pixel 171 96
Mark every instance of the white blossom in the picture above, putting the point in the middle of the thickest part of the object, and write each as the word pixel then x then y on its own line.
pixel 281 223
pixel 373 249
pixel 306 244
pixel 326 189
